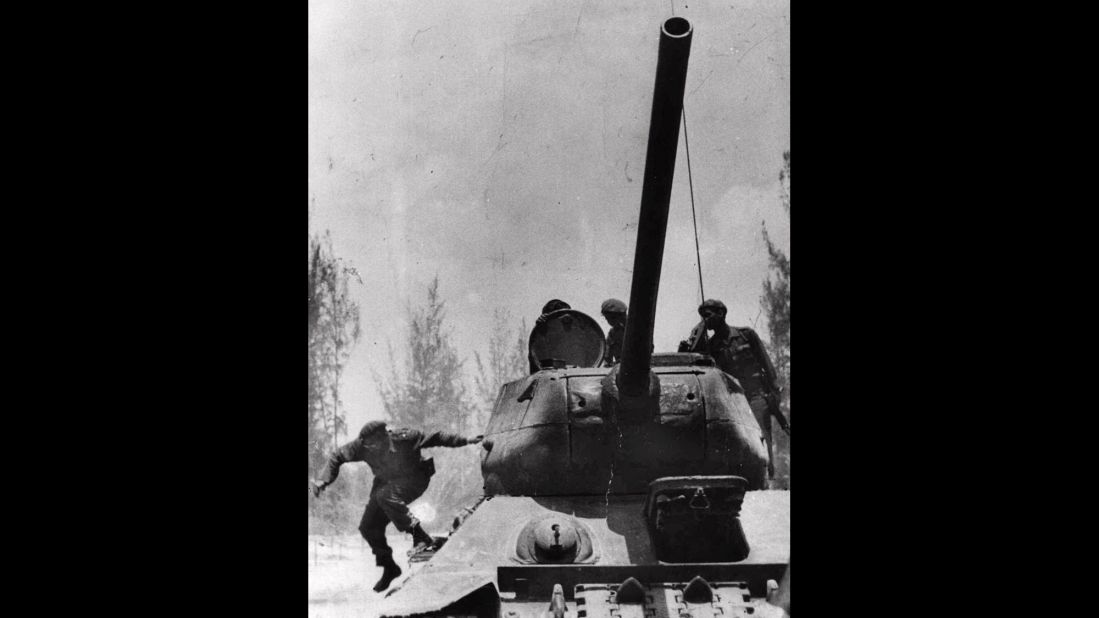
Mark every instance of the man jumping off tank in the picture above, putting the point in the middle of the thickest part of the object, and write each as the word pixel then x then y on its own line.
pixel 400 476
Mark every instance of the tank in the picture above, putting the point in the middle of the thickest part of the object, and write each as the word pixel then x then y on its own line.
pixel 633 490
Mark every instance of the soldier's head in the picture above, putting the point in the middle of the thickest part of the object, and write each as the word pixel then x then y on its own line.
pixel 554 305
pixel 712 312
pixel 614 311
pixel 374 435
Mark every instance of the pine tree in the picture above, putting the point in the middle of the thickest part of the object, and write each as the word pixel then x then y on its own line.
pixel 431 394
pixel 333 331
pixel 506 361
pixel 776 305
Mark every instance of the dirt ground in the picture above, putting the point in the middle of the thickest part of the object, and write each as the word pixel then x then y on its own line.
pixel 342 574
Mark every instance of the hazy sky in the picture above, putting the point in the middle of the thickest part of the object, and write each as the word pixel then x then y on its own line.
pixel 501 145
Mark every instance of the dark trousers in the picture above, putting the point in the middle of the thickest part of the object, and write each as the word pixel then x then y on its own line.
pixel 760 408
pixel 389 503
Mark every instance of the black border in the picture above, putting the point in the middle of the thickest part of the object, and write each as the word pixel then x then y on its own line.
pixel 192 177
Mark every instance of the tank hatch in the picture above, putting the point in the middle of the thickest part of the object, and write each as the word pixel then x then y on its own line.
pixel 696 518
pixel 554 539
pixel 568 338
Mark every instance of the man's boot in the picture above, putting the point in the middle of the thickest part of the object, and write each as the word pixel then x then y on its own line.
pixel 421 539
pixel 390 572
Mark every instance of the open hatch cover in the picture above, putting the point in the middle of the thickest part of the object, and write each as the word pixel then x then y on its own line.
pixel 569 338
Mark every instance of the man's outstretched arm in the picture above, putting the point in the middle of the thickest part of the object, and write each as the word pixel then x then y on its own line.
pixel 442 438
pixel 341 456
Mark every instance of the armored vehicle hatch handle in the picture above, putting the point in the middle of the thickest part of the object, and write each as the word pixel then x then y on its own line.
pixel 528 393
pixel 699 500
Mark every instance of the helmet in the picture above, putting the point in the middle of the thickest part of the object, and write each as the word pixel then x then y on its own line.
pixel 371 428
pixel 554 305
pixel 713 304
pixel 613 305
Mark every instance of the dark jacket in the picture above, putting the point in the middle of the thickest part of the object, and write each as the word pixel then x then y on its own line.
pixel 739 352
pixel 400 462
pixel 614 344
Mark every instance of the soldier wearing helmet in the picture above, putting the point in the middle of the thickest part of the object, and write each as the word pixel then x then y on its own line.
pixel 738 351
pixel 400 476
pixel 614 311
pixel 547 309
pixel 550 307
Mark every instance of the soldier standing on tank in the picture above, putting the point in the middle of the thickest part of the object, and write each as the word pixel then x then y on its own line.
pixel 400 476
pixel 548 308
pixel 614 311
pixel 738 351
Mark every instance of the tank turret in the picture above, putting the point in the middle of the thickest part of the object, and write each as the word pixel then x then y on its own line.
pixel 577 428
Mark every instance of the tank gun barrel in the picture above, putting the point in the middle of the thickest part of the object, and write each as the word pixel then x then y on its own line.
pixel 671 76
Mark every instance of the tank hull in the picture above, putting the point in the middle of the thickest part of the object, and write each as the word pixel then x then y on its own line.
pixel 478 565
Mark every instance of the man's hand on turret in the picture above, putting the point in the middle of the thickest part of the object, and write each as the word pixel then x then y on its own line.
pixel 316 487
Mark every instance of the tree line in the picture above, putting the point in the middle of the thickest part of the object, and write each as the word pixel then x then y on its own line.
pixel 428 389
pixel 776 306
